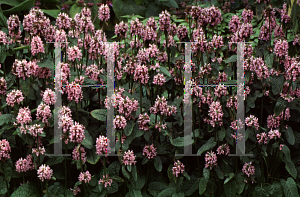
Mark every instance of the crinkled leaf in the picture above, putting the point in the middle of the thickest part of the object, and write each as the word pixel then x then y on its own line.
pixel 25 190
pixel 202 185
pixel 207 146
pixel 167 192
pixel 99 114
pixel 5 118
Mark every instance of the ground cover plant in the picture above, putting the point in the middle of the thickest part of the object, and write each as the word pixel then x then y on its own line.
pixel 149 99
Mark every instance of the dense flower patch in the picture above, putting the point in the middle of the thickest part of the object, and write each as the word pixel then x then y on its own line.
pixel 148 103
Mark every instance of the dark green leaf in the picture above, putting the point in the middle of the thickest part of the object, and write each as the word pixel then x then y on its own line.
pixel 74 10
pixel 279 107
pixel 125 173
pixel 289 187
pixel 182 141
pixel 290 135
pixel 207 146
pixel 277 84
pixel 114 168
pixel 3 188
pixel 157 163
pixel 25 86
pixel 92 157
pixel 52 13
pixel 230 188
pixel 167 192
pixel 134 173
pixel 129 7
pixel 5 118
pixel 202 185
pixel 24 6
pixel 25 190
pixel 87 141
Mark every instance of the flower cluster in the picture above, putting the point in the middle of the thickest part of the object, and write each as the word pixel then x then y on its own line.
pixel 210 159
pixel 44 172
pixel 49 97
pixel 43 112
pixel 102 145
pixel 15 96
pixel 129 158
pixel 85 177
pixel 77 133
pixel 105 180
pixel 77 156
pixel 162 108
pixel 4 150
pixel 149 151
pixel 252 121
pixel 223 149
pixel 178 168
pixel 215 114
pixel 143 121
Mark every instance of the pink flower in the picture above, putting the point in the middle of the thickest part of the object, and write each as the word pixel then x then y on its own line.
pixel 248 169
pixel 105 180
pixel 4 150
pixel 281 146
pixel 3 38
pixel 22 165
pixel 262 138
pixel 159 79
pixel 76 155
pixel 43 112
pixel 223 149
pixel 49 97
pixel 274 133
pixel 129 158
pixel 37 45
pixel 215 114
pixel 103 12
pixel 178 168
pixel 76 190
pixel 149 151
pixel 77 133
pixel 143 121
pixel 119 122
pixel 85 177
pixel 121 29
pixel 14 31
pixel 63 21
pixel 44 172
pixel 74 91
pixel 252 121
pixel 15 96
pixel 102 145
pixel 3 86
pixel 24 116
pixel 21 69
pixel 210 159
pixel 35 130
pixel 38 151
pixel 74 53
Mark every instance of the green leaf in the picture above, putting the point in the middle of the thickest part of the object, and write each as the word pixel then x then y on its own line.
pixel 24 6
pixel 134 173
pixel 5 118
pixel 25 190
pixel 221 134
pixel 277 84
pixel 3 22
pixel 157 163
pixel 231 175
pixel 25 86
pixel 180 194
pixel 289 187
pixel 99 114
pixel 55 160
pixel 275 189
pixel 153 10
pixel 74 10
pixel 167 192
pixel 129 127
pixel 230 188
pixel 260 192
pixel 186 175
pixel 289 134
pixel 290 167
pixel 202 185
pixel 157 186
pixel 165 71
pixel 182 141
pixel 206 173
pixel 114 168
pixel 129 7
pixel 219 172
pixel 92 157
pixel 3 188
pixel 233 58
pixel 113 188
pixel 11 2
pixel 173 4
pixel 138 2
pixel 207 146
pixel 46 63
pixel 88 140
pixel 52 13
pixel 125 173
pixel 279 107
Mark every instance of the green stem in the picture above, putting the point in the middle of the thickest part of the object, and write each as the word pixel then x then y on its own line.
pixel 47 189
pixel 66 175
pixel 7 183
